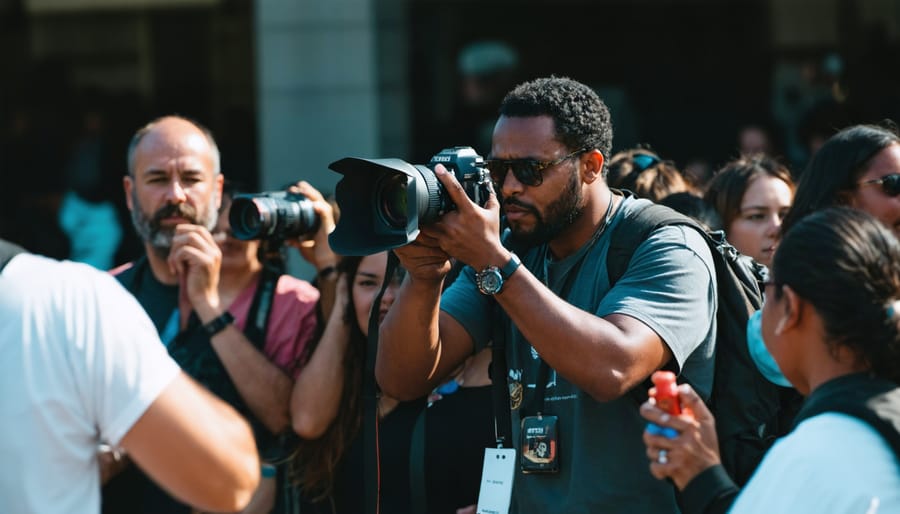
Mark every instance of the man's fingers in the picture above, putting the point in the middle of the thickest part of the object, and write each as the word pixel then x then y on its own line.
pixel 492 203
pixel 189 255
pixel 453 187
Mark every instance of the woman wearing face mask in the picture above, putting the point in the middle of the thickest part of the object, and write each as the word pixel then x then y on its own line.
pixel 327 404
pixel 752 195
pixel 832 322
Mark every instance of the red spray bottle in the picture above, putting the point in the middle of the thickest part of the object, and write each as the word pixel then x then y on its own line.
pixel 666 397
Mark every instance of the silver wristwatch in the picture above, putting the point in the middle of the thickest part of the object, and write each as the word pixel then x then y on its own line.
pixel 490 279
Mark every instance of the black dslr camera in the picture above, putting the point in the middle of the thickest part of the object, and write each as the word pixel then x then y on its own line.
pixel 384 201
pixel 274 215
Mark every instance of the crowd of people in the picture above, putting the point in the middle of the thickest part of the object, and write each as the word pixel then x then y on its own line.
pixel 203 378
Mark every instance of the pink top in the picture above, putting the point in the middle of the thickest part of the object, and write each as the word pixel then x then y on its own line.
pixel 292 322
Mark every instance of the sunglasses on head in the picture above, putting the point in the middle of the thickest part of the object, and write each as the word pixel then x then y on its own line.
pixel 526 171
pixel 642 161
pixel 890 184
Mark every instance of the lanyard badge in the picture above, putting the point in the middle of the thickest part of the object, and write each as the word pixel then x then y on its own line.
pixel 540 444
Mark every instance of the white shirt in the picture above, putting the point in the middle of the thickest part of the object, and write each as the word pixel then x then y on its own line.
pixel 80 362
pixel 831 463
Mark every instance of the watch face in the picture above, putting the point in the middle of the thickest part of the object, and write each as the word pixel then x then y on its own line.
pixel 490 281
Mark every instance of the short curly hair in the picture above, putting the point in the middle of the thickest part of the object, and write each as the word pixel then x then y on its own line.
pixel 580 117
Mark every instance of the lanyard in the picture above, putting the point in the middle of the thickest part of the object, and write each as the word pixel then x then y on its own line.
pixel 540 385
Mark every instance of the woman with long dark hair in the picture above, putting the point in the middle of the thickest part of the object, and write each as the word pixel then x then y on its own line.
pixel 327 403
pixel 858 167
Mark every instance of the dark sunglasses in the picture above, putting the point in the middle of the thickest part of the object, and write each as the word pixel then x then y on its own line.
pixel 526 171
pixel 890 184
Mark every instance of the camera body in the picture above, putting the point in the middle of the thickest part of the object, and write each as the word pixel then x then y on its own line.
pixel 468 168
pixel 384 201
pixel 272 215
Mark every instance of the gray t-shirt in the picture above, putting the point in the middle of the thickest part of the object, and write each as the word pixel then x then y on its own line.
pixel 670 287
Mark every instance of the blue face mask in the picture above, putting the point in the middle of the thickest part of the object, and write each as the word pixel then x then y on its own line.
pixel 760 354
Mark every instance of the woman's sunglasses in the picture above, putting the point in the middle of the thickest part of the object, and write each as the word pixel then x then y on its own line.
pixel 890 184
pixel 526 171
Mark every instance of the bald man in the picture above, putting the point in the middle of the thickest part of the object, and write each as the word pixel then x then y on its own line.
pixel 174 189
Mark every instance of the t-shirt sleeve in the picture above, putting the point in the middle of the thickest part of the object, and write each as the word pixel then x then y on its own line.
pixel 464 303
pixel 124 363
pixel 663 288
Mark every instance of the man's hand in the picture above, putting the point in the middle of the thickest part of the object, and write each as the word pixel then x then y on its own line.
pixel 196 259
pixel 316 249
pixel 424 259
pixel 470 233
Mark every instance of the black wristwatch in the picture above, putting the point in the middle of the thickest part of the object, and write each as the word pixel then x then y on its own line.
pixel 490 279
pixel 218 324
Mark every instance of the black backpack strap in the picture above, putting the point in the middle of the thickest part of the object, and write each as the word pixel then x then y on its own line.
pixel 7 252
pixel 634 229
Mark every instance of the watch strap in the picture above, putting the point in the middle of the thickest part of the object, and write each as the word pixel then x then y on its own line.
pixel 511 266
pixel 218 324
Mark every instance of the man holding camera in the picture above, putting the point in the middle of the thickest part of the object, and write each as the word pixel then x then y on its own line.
pixel 174 191
pixel 575 345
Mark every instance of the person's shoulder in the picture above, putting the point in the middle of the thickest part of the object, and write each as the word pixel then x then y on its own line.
pixel 72 283
pixel 831 443
pixel 854 434
pixel 840 452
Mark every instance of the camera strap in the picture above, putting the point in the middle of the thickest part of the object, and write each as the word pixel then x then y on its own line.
pixel 7 252
pixel 371 394
pixel 257 325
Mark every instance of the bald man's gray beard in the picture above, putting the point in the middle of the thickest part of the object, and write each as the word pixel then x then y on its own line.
pixel 160 238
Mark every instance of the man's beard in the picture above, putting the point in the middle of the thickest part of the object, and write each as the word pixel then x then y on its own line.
pixel 560 215
pixel 151 231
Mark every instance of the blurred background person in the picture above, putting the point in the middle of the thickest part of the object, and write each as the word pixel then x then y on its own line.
pixel 754 138
pixel 693 205
pixel 832 322
pixel 486 70
pixel 642 172
pixel 752 195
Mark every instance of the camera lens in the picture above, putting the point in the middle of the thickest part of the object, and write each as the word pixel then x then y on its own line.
pixel 250 219
pixel 391 199
pixel 246 218
pixel 272 215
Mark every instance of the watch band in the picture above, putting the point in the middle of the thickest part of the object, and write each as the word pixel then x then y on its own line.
pixel 490 280
pixel 218 324
pixel 511 266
